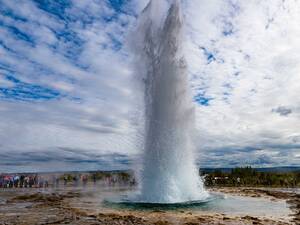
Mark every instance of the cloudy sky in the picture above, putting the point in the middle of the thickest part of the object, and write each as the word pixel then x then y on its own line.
pixel 69 99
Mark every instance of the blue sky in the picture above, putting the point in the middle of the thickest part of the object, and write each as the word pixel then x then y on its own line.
pixel 69 98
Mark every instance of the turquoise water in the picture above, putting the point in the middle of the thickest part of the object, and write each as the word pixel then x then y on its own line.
pixel 217 203
pixel 248 205
pixel 125 202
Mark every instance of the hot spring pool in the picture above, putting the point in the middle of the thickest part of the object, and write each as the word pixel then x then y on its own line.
pixel 218 203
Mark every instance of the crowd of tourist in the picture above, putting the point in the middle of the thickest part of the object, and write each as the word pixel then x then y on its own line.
pixel 48 180
pixel 39 181
pixel 22 181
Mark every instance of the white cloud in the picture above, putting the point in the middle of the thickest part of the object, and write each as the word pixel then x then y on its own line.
pixel 256 69
pixel 242 55
pixel 4 82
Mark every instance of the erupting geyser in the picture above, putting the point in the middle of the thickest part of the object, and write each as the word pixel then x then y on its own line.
pixel 169 174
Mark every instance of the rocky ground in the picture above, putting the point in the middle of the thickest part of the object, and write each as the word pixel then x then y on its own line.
pixel 36 207
pixel 293 199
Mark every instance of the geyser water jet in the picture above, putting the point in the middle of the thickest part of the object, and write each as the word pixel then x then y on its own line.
pixel 169 172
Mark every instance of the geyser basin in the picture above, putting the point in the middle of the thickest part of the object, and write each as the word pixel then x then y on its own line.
pixel 216 203
pixel 131 202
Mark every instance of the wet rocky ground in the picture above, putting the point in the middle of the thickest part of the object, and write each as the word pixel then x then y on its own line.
pixel 58 207
pixel 292 197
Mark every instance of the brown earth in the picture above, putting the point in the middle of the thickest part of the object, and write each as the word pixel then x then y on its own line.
pixel 55 208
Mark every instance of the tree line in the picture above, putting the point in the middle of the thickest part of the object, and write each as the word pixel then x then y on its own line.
pixel 247 176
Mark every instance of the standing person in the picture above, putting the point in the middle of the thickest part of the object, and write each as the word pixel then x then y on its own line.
pixel 11 181
pixel 53 181
pixel 6 181
pixel 75 180
pixel 16 180
pixel 84 180
pixel 35 180
pixel 26 181
pixel 46 183
pixel 41 182
pixel 65 180
pixel 1 181
pixel 57 182
pixel 22 181
pixel 94 178
pixel 31 181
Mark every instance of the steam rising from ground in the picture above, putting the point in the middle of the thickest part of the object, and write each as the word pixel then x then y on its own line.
pixel 169 172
